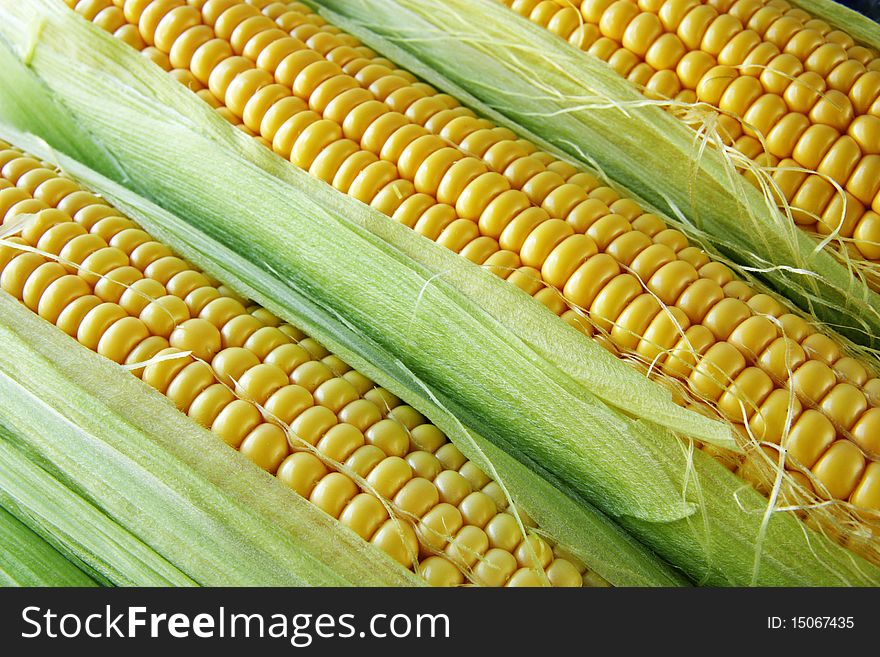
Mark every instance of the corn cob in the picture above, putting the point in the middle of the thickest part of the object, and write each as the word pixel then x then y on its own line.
pixel 334 108
pixel 794 94
pixel 239 371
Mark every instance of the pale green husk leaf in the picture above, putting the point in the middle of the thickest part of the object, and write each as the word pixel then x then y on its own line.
pixel 28 560
pixel 58 512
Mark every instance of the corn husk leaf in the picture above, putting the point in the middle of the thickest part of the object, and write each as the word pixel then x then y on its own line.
pixel 486 352
pixel 75 526
pixel 579 105
pixel 28 560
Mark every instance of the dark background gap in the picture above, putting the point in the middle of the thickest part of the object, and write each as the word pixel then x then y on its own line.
pixel 870 8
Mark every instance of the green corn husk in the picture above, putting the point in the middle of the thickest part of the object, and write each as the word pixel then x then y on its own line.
pixel 579 105
pixel 76 527
pixel 28 560
pixel 448 331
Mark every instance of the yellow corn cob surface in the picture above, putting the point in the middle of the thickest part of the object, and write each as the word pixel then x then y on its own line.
pixel 794 93
pixel 318 97
pixel 295 410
